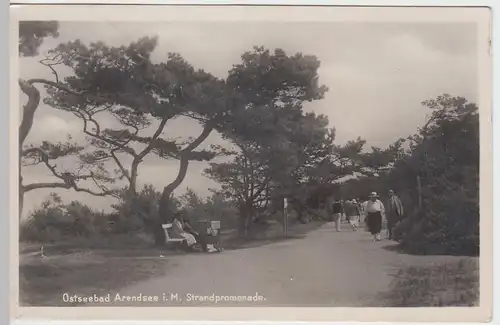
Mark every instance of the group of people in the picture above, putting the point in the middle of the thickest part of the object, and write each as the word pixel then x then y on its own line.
pixel 182 228
pixel 374 213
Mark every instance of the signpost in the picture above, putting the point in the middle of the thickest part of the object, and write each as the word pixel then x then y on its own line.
pixel 285 217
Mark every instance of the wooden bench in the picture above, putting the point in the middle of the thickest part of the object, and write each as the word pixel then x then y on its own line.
pixel 168 238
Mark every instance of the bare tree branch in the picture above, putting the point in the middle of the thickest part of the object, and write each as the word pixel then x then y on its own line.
pixel 69 179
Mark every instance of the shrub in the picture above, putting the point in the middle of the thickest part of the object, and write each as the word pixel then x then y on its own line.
pixel 132 213
pixel 446 157
pixel 54 222
pixel 215 207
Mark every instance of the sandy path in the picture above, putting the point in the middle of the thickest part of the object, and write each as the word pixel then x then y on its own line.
pixel 326 268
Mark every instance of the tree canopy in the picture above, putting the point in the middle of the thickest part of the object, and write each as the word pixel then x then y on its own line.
pixel 125 101
pixel 32 34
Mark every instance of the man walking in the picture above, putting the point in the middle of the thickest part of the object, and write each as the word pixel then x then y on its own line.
pixel 394 212
pixel 337 212
pixel 353 213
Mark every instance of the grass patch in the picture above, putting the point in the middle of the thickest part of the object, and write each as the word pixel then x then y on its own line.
pixel 447 284
pixel 271 234
pixel 86 267
pixel 75 244
pixel 42 282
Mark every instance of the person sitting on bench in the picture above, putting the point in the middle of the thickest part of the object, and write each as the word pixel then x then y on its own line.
pixel 179 228
pixel 209 248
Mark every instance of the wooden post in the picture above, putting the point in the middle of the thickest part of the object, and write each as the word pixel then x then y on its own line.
pixel 285 217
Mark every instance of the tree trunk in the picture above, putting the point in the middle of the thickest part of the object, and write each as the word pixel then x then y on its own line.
pixel 246 224
pixel 163 209
pixel 133 177
pixel 24 128
pixel 247 213
pixel 138 158
pixel 21 197
pixel 244 221
pixel 28 110
pixel 169 190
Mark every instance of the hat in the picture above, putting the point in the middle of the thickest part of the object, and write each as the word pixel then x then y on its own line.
pixel 373 194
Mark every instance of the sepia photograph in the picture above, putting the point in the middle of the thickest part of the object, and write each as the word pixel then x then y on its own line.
pixel 250 162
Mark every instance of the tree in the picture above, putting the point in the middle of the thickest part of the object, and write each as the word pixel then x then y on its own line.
pixel 245 180
pixel 124 82
pixel 343 160
pixel 107 78
pixel 445 155
pixel 272 131
pixel 381 160
pixel 31 36
pixel 261 88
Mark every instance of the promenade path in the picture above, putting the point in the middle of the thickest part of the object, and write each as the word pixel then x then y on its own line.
pixel 326 268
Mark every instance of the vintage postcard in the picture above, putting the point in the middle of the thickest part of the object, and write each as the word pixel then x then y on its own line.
pixel 251 163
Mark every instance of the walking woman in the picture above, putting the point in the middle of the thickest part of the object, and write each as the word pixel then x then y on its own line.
pixel 375 215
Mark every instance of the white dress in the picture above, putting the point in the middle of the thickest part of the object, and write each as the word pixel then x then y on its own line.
pixel 190 240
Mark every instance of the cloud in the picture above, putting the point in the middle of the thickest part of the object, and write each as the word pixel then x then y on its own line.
pixel 51 128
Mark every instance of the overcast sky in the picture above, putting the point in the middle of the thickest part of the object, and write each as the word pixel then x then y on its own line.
pixel 377 75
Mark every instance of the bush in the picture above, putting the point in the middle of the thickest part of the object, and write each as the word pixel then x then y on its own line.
pixel 215 207
pixel 446 157
pixel 132 213
pixel 447 224
pixel 54 222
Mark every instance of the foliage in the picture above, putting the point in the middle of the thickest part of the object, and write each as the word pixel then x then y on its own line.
pixel 379 160
pixel 215 207
pixel 57 222
pixel 32 34
pixel 133 211
pixel 278 151
pixel 54 221
pixel 47 152
pixel 275 140
pixel 123 83
pixel 445 155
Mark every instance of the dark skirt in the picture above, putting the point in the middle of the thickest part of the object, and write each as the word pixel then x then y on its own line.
pixel 374 222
